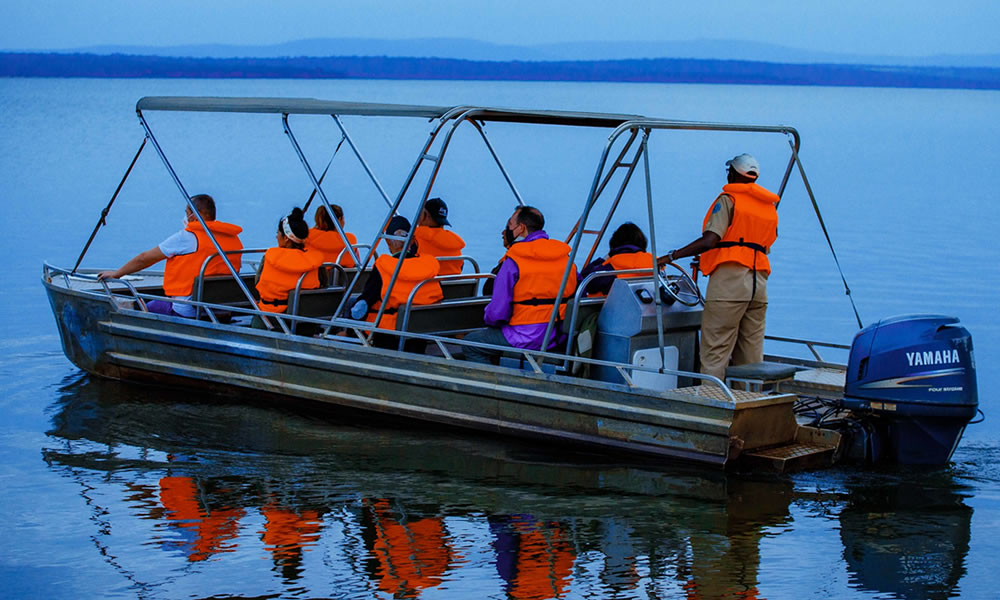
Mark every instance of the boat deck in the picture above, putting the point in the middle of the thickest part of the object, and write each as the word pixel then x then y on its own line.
pixel 823 382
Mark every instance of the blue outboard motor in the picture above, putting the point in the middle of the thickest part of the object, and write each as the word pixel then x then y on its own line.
pixel 915 377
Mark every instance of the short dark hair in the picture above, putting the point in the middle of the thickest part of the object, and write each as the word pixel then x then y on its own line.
pixel 737 177
pixel 628 234
pixel 323 220
pixel 205 206
pixel 530 217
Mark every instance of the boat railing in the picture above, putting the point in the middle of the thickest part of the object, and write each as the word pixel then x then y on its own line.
pixel 403 317
pixel 581 294
pixel 199 282
pixel 813 347
pixel 360 329
pixel 340 255
pixel 462 257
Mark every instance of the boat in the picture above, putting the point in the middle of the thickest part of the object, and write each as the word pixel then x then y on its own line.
pixel 626 381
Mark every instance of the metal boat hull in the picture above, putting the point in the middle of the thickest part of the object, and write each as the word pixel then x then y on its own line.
pixel 120 343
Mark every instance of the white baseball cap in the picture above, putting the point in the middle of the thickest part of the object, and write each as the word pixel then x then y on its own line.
pixel 744 164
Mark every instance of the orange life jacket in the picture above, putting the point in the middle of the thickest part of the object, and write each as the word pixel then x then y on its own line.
pixel 544 563
pixel 540 265
pixel 438 241
pixel 412 556
pixel 281 271
pixel 414 270
pixel 750 235
pixel 626 261
pixel 180 270
pixel 330 244
pixel 287 533
pixel 214 529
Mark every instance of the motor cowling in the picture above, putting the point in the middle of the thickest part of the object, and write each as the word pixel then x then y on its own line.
pixel 915 376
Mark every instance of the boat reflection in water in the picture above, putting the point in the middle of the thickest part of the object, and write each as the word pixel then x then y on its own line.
pixel 907 538
pixel 363 510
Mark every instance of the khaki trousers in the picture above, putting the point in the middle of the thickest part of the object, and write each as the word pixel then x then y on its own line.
pixel 731 328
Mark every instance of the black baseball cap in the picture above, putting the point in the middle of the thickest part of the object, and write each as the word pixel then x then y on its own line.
pixel 397 223
pixel 438 210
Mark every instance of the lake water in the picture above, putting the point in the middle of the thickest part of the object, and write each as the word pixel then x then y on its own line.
pixel 119 490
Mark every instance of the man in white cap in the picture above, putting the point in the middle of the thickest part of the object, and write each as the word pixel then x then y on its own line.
pixel 737 234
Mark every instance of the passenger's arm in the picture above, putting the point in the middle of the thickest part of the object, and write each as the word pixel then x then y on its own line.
pixel 143 260
pixel 501 306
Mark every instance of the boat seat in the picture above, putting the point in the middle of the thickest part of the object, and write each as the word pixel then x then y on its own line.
pixel 448 317
pixel 223 289
pixel 320 302
pixel 760 376
pixel 339 276
pixel 458 288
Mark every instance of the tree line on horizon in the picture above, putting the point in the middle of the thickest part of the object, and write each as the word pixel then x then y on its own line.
pixel 651 70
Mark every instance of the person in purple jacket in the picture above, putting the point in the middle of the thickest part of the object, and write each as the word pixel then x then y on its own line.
pixel 525 289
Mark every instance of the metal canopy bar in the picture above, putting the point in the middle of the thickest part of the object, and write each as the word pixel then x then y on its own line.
pixel 291 106
pixel 313 106
pixel 316 183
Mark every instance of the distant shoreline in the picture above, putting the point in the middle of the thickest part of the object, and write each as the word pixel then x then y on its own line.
pixel 655 70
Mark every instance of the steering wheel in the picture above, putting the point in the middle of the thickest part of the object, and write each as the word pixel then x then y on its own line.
pixel 681 287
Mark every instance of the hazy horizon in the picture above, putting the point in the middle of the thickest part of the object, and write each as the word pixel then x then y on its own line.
pixel 477 50
pixel 918 28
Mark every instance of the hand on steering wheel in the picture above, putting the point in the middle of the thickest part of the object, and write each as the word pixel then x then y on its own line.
pixel 681 287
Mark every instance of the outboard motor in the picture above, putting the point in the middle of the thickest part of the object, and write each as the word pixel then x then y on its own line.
pixel 914 377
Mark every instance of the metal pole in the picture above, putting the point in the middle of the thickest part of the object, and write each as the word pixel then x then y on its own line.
pixel 812 198
pixel 104 213
pixel 361 159
pixel 614 205
pixel 607 179
pixel 316 186
pixel 644 149
pixel 496 159
pixel 187 199
pixel 322 175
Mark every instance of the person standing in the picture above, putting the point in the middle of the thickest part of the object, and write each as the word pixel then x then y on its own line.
pixel 434 240
pixel 525 289
pixel 737 234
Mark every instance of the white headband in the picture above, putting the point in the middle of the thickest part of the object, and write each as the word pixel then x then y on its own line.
pixel 288 231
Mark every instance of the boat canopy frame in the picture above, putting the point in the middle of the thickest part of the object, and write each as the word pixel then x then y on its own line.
pixel 448 119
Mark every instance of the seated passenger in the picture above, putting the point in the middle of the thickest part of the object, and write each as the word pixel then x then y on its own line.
pixel 525 289
pixel 325 238
pixel 434 240
pixel 414 270
pixel 627 250
pixel 283 265
pixel 185 251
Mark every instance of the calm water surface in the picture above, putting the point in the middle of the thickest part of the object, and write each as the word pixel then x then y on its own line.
pixel 120 490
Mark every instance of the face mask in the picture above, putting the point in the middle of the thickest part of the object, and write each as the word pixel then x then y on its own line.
pixel 508 237
pixel 185 220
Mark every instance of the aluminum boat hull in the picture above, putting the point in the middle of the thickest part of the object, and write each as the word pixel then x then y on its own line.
pixel 109 341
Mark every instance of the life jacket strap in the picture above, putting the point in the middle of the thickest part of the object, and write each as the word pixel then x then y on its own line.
pixel 745 244
pixel 542 301
pixel 756 248
pixel 275 302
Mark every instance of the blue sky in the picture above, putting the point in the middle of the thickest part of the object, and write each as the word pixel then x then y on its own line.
pixel 891 27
